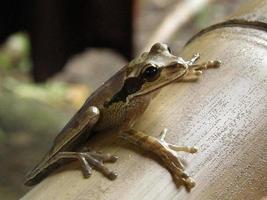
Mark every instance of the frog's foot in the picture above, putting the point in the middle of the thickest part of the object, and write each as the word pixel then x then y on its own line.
pixel 196 70
pixel 89 160
pixel 194 58
pixel 205 65
pixel 166 152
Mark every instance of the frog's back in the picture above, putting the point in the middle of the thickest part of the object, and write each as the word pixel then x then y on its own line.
pixel 78 128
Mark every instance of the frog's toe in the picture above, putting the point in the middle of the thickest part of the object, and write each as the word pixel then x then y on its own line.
pixel 188 182
pixel 112 176
pixel 86 168
pixel 104 157
pixel 214 64
pixel 99 155
pixel 175 147
pixel 96 160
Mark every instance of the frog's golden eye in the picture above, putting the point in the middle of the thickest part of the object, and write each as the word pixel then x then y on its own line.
pixel 151 73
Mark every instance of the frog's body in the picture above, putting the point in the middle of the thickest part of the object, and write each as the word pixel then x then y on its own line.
pixel 118 104
pixel 121 113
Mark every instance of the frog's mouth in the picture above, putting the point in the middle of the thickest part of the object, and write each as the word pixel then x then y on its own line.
pixel 169 74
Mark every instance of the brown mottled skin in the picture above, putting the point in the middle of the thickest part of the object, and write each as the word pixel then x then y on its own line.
pixel 121 114
pixel 118 103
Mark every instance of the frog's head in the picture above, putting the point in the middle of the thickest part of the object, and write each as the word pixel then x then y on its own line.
pixel 153 70
pixel 150 71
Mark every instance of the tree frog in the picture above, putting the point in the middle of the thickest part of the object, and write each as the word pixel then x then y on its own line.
pixel 118 104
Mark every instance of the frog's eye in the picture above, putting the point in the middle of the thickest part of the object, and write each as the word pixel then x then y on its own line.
pixel 169 49
pixel 151 73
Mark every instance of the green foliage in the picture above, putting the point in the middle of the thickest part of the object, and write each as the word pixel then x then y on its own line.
pixel 14 54
pixel 203 18
pixel 2 135
pixel 27 115
pixel 52 93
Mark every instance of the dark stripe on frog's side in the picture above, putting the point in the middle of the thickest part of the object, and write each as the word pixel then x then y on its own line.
pixel 131 85
pixel 117 111
pixel 121 113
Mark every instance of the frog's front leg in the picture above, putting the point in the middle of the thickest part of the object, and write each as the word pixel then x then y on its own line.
pixel 88 160
pixel 165 151
pixel 195 70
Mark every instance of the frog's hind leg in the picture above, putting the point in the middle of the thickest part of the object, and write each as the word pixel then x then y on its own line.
pixel 88 160
pixel 166 152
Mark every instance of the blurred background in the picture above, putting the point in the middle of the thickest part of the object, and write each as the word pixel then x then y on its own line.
pixel 53 54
